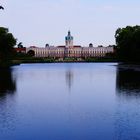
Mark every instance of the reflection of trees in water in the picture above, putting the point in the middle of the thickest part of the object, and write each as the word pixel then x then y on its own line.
pixel 69 78
pixel 7 84
pixel 127 112
pixel 7 100
pixel 128 82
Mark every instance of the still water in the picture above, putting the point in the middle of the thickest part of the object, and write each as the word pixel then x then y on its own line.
pixel 75 101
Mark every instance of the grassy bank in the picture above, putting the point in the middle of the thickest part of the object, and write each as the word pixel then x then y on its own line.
pixel 101 60
pixel 24 59
pixel 66 60
pixel 32 60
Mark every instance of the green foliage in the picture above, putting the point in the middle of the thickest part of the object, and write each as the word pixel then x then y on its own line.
pixel 31 53
pixel 29 59
pixel 128 43
pixel 101 59
pixel 7 42
pixel 20 45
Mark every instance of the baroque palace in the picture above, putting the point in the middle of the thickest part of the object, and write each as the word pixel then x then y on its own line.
pixel 69 50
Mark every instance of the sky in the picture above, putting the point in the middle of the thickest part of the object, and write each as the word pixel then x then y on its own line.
pixel 37 22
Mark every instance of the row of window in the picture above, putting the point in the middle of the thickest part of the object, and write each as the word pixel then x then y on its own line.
pixel 70 52
pixel 61 52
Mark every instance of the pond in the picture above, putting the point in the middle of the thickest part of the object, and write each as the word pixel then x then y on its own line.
pixel 69 101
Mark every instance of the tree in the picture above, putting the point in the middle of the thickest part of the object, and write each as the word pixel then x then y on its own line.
pixel 1 7
pixel 7 42
pixel 47 45
pixel 128 43
pixel 20 45
pixel 90 45
pixel 31 53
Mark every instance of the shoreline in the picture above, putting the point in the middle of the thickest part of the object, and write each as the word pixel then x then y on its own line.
pixel 70 60
pixel 57 62
pixel 123 65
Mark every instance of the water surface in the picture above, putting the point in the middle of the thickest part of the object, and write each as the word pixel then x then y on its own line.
pixel 75 101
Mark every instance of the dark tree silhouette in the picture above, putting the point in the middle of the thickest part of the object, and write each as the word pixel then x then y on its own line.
pixel 1 7
pixel 20 45
pixel 91 45
pixel 7 42
pixel 128 43
pixel 47 45
pixel 31 53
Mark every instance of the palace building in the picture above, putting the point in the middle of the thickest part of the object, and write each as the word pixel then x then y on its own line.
pixel 69 50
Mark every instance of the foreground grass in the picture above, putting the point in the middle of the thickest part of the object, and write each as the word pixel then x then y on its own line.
pixel 67 60
pixel 28 59
pixel 32 60
pixel 105 59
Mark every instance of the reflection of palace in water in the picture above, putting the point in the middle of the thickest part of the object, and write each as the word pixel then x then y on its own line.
pixel 128 81
pixel 69 50
pixel 7 83
pixel 69 78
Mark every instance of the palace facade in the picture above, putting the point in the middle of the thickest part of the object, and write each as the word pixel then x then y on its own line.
pixel 69 50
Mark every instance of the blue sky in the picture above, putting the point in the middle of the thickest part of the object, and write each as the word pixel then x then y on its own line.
pixel 37 22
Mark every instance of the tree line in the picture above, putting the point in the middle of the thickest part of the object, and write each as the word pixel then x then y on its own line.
pixel 128 43
pixel 7 43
